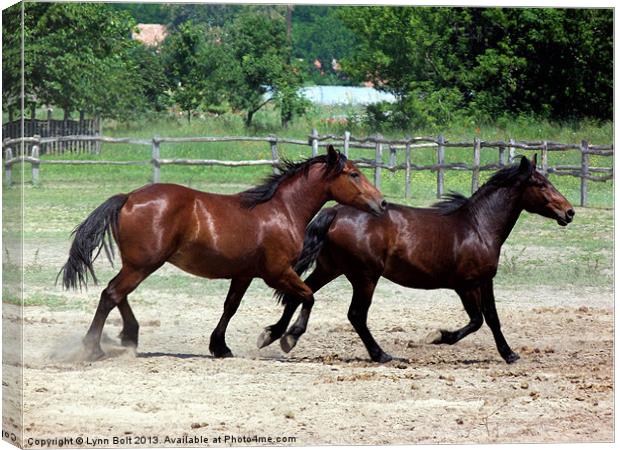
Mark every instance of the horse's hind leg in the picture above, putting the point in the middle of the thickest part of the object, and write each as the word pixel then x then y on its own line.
pixel 471 300
pixel 217 345
pixel 363 290
pixel 118 288
pixel 317 279
pixel 129 333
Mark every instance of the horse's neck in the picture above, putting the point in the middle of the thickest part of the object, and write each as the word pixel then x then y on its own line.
pixel 303 197
pixel 495 214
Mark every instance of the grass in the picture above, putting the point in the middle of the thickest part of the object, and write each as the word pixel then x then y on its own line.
pixel 538 252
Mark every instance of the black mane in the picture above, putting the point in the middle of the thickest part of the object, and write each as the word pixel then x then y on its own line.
pixel 454 201
pixel 266 190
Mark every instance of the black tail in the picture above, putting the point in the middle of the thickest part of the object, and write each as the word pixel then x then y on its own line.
pixel 90 237
pixel 316 235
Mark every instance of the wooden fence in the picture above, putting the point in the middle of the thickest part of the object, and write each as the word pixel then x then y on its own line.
pixel 57 128
pixel 377 144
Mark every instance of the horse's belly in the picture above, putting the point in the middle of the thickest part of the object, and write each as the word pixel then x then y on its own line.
pixel 418 276
pixel 205 262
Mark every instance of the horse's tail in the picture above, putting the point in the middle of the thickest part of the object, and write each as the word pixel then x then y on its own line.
pixel 316 235
pixel 88 239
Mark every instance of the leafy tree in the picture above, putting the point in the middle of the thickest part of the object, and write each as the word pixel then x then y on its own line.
pixel 549 62
pixel 319 34
pixel 191 62
pixel 11 55
pixel 205 14
pixel 257 63
pixel 75 57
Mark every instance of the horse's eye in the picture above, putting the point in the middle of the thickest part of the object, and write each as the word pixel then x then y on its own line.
pixel 354 175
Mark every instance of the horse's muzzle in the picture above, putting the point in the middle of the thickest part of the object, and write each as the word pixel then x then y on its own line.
pixel 568 217
pixel 378 208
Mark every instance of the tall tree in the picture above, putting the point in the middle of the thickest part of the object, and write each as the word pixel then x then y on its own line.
pixel 257 64
pixel 192 59
pixel 491 60
pixel 75 57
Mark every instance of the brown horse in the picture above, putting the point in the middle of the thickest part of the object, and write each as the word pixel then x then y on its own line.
pixel 254 234
pixel 455 245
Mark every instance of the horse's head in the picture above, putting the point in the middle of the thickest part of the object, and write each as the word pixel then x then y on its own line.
pixel 350 187
pixel 541 197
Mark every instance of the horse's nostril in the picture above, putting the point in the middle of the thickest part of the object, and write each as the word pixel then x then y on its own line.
pixel 383 204
pixel 570 213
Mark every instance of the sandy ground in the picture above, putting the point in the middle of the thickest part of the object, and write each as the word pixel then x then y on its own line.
pixel 325 391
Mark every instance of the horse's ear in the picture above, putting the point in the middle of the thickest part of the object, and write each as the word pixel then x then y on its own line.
pixel 535 160
pixel 332 155
pixel 526 168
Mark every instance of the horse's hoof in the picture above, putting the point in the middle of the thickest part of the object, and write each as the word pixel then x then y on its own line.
pixel 265 338
pixel 287 343
pixel 222 354
pixel 436 337
pixel 512 357
pixel 94 355
pixel 382 358
pixel 129 344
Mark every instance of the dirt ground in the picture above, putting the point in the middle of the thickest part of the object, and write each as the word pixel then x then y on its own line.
pixel 325 391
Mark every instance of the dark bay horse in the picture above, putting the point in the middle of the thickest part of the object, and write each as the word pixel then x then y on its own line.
pixel 254 234
pixel 455 245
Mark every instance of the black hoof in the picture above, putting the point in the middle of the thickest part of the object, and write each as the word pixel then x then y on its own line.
pixel 129 343
pixel 222 353
pixel 512 357
pixel 382 358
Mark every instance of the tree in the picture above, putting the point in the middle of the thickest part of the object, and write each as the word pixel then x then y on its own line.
pixel 192 62
pixel 543 61
pixel 76 57
pixel 319 34
pixel 256 64
pixel 11 55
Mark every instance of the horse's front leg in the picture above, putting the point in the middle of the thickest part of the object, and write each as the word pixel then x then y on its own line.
pixel 490 315
pixel 217 345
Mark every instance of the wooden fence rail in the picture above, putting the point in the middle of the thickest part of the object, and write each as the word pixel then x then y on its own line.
pixel 27 150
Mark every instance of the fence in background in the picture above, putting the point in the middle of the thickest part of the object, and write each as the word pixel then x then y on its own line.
pixel 57 128
pixel 377 144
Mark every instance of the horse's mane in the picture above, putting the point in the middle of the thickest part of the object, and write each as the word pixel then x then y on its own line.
pixel 454 201
pixel 266 190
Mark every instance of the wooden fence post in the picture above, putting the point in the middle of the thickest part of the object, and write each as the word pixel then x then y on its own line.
pixel 408 170
pixel 392 156
pixel 273 143
pixel 502 155
pixel 544 159
pixel 35 165
pixel 8 156
pixel 512 151
pixel 475 173
pixel 315 142
pixel 378 162
pixel 49 147
pixel 441 153
pixel 99 132
pixel 347 138
pixel 585 162
pixel 155 160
